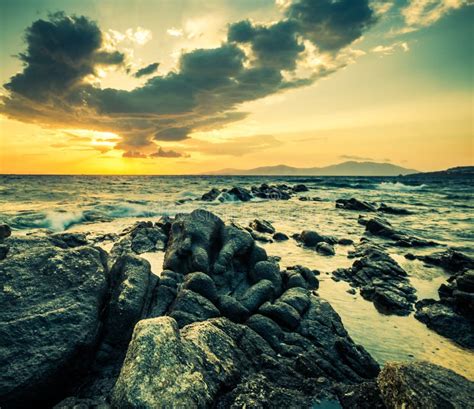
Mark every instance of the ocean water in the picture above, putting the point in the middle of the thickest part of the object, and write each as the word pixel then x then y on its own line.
pixel 443 211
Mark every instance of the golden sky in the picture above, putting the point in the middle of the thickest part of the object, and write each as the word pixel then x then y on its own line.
pixel 398 91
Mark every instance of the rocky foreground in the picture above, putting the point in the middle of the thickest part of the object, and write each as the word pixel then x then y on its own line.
pixel 222 326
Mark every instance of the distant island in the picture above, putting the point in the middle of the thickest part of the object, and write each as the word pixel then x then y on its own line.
pixel 349 168
pixel 457 172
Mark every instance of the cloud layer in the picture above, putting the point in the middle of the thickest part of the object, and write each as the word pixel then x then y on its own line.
pixel 63 54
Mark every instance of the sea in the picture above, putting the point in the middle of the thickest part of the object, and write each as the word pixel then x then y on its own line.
pixel 442 210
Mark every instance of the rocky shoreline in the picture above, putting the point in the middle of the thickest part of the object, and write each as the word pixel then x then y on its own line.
pixel 223 325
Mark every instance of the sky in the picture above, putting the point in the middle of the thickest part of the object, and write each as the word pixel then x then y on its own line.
pixel 186 86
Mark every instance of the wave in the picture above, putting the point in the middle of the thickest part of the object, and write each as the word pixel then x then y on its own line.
pixel 399 186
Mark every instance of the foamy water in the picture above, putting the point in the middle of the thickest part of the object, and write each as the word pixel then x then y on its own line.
pixel 442 211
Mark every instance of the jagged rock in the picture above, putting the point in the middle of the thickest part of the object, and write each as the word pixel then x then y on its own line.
pixel 5 231
pixel 451 260
pixel 355 204
pixel 381 280
pixel 280 237
pixel 211 195
pixel 262 226
pixel 453 315
pixel 382 228
pixel 140 238
pixel 240 193
pixel 65 239
pixel 423 385
pixel 393 210
pixel 50 318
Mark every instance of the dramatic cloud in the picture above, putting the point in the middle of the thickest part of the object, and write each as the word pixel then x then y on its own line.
pixel 161 153
pixel 134 154
pixel 148 70
pixel 58 86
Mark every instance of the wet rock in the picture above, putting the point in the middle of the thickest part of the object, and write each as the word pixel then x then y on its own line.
pixel 310 199
pixel 393 210
pixel 423 385
pixel 326 249
pixel 211 195
pixel 300 188
pixel 381 280
pixel 261 237
pixel 262 226
pixel 345 242
pixel 240 193
pixel 355 204
pixel 280 237
pixel 382 228
pixel 5 231
pixel 50 313
pixel 140 238
pixel 453 315
pixel 451 260
pixel 365 395
pixel 310 238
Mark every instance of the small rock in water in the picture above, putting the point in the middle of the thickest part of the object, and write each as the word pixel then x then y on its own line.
pixel 262 226
pixel 5 231
pixel 280 236
pixel 355 204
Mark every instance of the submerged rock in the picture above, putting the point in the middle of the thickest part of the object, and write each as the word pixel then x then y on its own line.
pixel 393 210
pixel 50 313
pixel 310 238
pixel 451 260
pixel 380 279
pixel 280 237
pixel 5 231
pixel 423 385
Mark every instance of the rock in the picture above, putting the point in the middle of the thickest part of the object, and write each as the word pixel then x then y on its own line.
pixel 355 204
pixel 256 295
pixel 211 195
pixel 310 199
pixel 262 226
pixel 282 313
pixel 140 238
pixel 65 240
pixel 423 385
pixel 451 260
pixel 280 237
pixel 365 395
pixel 393 210
pixel 50 315
pixel 345 242
pixel 190 307
pixel 266 270
pixel 232 309
pixel 300 188
pixel 381 280
pixel 240 193
pixel 133 283
pixel 5 231
pixel 201 284
pixel 310 238
pixel 382 228
pixel 453 315
pixel 326 249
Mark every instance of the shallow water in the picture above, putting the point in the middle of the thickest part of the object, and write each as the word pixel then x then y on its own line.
pixel 443 211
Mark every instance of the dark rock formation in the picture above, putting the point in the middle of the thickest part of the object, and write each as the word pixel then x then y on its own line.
pixel 262 226
pixel 382 228
pixel 280 237
pixel 380 279
pixel 393 210
pixel 140 238
pixel 300 188
pixel 5 231
pixel 310 238
pixel 453 315
pixel 355 204
pixel 211 195
pixel 242 331
pixel 451 260
pixel 50 317
pixel 421 384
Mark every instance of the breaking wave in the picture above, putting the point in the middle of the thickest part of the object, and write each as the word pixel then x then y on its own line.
pixel 399 186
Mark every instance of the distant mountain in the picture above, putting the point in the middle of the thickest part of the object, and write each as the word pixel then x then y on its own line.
pixel 350 168
pixel 457 172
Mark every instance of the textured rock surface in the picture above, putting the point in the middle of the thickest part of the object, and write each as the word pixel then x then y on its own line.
pixel 451 260
pixel 453 314
pixel 380 279
pixel 424 385
pixel 355 204
pixel 140 238
pixel 50 317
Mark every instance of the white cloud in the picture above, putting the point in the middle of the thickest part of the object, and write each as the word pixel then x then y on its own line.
pixel 422 13
pixel 140 35
pixel 390 49
pixel 175 32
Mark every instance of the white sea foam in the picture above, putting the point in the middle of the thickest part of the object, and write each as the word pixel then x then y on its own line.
pixel 58 221
pixel 398 186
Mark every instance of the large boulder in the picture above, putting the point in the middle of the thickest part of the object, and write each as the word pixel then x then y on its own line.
pixel 140 238
pixel 421 384
pixel 51 303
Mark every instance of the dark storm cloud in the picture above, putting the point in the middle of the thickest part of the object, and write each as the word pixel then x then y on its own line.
pixel 331 24
pixel 60 53
pixel 148 70
pixel 202 94
pixel 161 153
